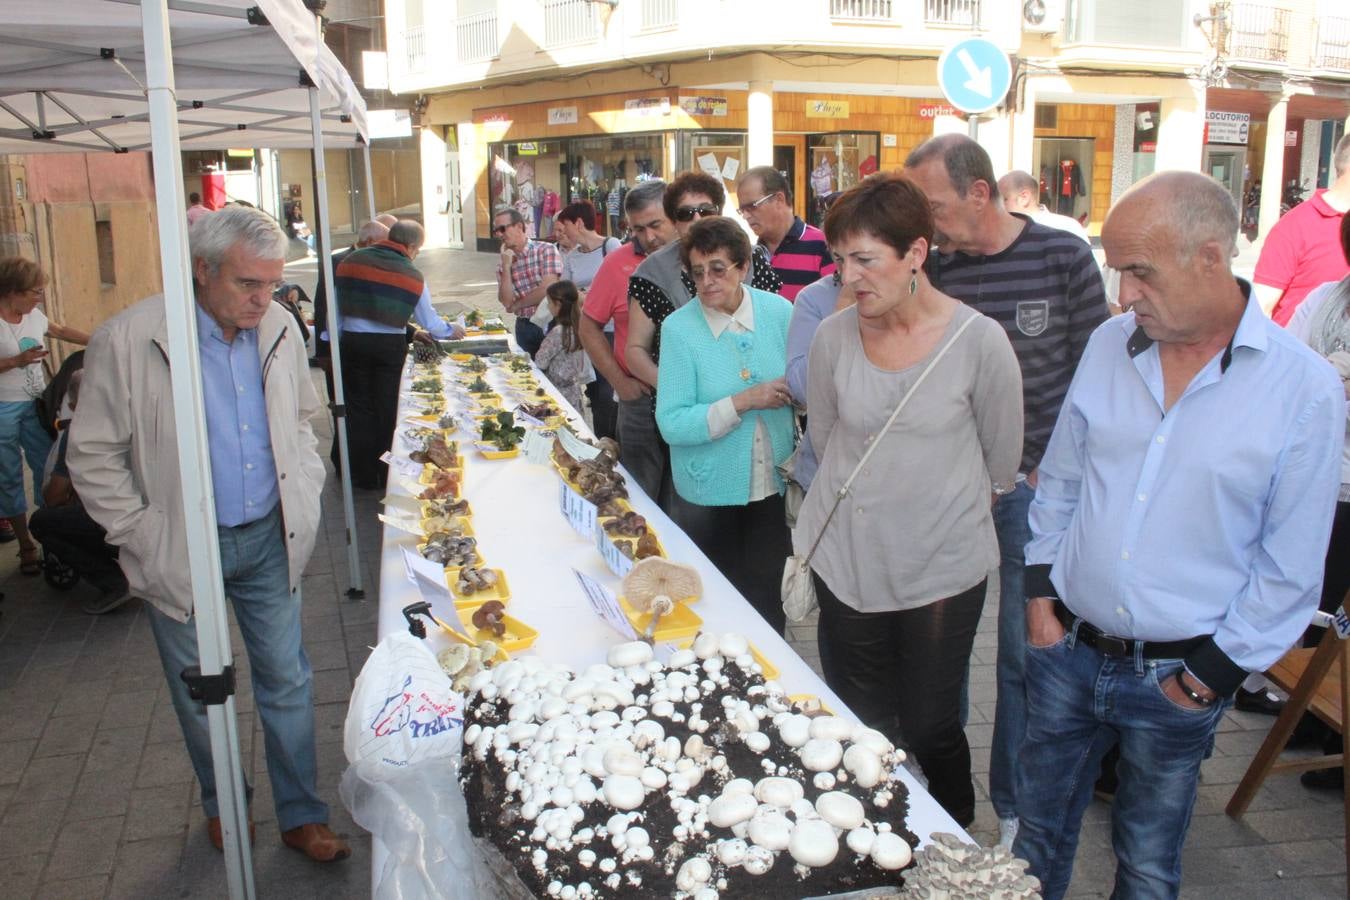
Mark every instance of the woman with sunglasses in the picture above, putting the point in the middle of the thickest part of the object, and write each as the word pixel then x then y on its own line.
pixel 22 381
pixel 724 409
pixel 657 288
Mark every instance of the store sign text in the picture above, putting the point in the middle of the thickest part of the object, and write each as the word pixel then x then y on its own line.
pixel 933 110
pixel 647 106
pixel 827 109
pixel 704 106
pixel 562 115
pixel 1226 127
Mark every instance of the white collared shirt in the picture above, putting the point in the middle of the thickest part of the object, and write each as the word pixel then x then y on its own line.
pixel 722 417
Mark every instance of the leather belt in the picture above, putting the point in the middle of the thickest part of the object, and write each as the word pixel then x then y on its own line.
pixel 1119 647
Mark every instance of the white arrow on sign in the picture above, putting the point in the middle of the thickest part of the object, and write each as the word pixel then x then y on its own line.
pixel 981 81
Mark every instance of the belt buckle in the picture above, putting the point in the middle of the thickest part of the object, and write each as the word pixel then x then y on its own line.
pixel 1115 646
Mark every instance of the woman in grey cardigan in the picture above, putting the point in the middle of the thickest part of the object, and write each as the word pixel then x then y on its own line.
pixel 900 568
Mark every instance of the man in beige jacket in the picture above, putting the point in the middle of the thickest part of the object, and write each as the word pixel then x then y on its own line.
pixel 266 477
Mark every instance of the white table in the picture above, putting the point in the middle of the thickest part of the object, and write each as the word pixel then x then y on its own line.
pixel 521 531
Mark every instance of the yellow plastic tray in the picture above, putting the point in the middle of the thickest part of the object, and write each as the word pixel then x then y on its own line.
pixel 519 636
pixel 477 558
pixel 426 508
pixel 429 473
pixel 769 669
pixel 798 698
pixel 660 547
pixel 462 523
pixel 501 655
pixel 682 623
pixel 489 451
pixel 500 591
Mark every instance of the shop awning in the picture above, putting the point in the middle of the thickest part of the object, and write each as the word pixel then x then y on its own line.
pixel 72 76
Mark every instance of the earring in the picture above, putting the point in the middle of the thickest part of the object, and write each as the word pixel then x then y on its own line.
pixel 913 281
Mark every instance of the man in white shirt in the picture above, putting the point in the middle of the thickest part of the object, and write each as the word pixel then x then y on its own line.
pixel 1021 194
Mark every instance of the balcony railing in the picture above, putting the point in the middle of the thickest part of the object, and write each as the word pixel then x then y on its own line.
pixel 1258 32
pixel 570 22
pixel 476 37
pixel 1333 43
pixel 862 10
pixel 952 12
pixel 415 44
pixel 659 14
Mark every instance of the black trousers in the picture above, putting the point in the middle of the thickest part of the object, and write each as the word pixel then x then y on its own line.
pixel 901 673
pixel 748 544
pixel 68 533
pixel 604 406
pixel 528 335
pixel 372 367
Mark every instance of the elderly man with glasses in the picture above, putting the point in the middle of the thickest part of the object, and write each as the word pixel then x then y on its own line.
pixel 797 251
pixel 526 269
pixel 658 287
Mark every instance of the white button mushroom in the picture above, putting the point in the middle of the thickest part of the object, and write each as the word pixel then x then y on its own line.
pixel 863 765
pixel 860 841
pixel 780 792
pixel 705 645
pixel 841 810
pixel 732 645
pixel 823 781
pixel 772 831
pixel 729 809
pixel 632 653
pixel 795 730
pixel 821 754
pixel 732 852
pixel 890 851
pixel 831 728
pixel 758 860
pixel 653 778
pixel 621 760
pixel 623 792
pixel 873 740
pixel 813 843
pixel 694 873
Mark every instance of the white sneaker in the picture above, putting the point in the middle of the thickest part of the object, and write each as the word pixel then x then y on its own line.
pixel 1007 833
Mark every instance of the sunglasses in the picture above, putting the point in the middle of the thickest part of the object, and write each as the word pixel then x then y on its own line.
pixel 756 205
pixel 715 269
pixel 500 229
pixel 687 213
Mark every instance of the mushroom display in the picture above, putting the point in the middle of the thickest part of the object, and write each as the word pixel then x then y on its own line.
pixel 491 616
pixel 472 580
pixel 655 585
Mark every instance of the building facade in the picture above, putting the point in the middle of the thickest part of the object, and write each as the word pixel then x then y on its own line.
pixel 531 103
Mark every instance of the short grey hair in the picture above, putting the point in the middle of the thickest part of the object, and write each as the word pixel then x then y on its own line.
pixel 516 217
pixel 1340 160
pixel 771 181
pixel 407 232
pixel 215 235
pixel 644 195
pixel 1195 207
pixel 372 232
pixel 966 161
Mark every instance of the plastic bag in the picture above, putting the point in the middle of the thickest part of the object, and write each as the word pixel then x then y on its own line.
pixel 403 709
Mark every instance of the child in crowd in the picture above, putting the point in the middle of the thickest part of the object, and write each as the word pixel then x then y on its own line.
pixel 560 355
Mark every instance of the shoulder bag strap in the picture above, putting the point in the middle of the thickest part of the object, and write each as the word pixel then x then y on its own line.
pixel 848 483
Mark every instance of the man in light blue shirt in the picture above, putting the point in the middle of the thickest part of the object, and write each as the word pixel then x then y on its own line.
pixel 1178 534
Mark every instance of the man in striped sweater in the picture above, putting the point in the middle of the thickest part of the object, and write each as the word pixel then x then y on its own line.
pixel 797 251
pixel 1045 288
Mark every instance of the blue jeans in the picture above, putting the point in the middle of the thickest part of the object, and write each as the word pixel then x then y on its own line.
pixel 1079 704
pixel 254 564
pixel 1010 711
pixel 21 436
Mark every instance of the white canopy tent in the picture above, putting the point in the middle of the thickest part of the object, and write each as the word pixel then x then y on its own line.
pixel 125 75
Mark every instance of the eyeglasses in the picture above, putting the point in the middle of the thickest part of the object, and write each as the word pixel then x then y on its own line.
pixel 714 269
pixel 500 229
pixel 687 213
pixel 747 208
pixel 255 286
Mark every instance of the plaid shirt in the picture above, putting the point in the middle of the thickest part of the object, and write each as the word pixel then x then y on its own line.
pixel 531 265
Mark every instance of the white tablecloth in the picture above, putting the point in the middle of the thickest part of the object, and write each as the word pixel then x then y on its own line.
pixel 521 531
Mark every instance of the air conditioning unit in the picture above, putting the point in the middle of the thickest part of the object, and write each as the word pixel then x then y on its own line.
pixel 1042 16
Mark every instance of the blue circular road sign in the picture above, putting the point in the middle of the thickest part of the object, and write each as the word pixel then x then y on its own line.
pixel 974 75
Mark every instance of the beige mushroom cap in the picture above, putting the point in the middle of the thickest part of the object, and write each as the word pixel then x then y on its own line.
pixel 656 577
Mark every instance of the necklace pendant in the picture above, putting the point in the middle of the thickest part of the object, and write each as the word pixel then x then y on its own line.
pixel 745 374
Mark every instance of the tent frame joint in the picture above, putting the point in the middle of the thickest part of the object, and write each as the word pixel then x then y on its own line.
pixel 209 690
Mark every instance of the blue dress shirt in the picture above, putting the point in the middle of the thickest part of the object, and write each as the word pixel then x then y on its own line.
pixel 1207 519
pixel 814 304
pixel 243 471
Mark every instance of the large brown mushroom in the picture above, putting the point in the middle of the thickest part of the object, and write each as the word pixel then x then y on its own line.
pixel 490 617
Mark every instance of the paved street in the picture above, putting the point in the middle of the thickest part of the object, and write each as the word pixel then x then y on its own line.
pixel 97 797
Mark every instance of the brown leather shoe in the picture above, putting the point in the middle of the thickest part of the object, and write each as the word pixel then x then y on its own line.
pixel 218 839
pixel 316 841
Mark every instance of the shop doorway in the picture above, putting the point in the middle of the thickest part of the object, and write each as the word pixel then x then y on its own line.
pixel 1063 166
pixel 454 203
pixel 785 161
pixel 1225 165
pixel 838 160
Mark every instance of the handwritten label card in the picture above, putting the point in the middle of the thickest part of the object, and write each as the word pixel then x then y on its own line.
pixel 538 446
pixel 429 578
pixel 614 558
pixel 606 605
pixel 576 447
pixel 402 465
pixel 579 512
pixel 403 523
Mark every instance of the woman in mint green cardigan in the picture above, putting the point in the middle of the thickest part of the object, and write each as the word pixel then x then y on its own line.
pixel 722 405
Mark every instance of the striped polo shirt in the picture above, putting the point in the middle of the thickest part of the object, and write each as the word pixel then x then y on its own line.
pixel 802 257
pixel 1045 289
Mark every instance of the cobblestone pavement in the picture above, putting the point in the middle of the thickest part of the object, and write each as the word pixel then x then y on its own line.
pixel 97 796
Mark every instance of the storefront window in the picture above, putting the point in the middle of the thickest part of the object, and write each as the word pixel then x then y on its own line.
pixel 538 178
pixel 837 162
pixel 1064 167
pixel 720 154
pixel 1145 139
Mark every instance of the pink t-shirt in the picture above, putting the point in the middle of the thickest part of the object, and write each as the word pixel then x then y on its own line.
pixel 608 296
pixel 1302 251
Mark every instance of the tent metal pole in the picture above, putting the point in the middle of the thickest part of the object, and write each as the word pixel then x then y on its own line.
pixel 370 180
pixel 334 343
pixel 199 509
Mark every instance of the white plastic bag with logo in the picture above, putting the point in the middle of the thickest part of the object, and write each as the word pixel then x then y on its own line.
pixel 403 709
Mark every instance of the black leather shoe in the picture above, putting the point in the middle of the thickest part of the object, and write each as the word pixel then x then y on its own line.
pixel 1263 702
pixel 1324 779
